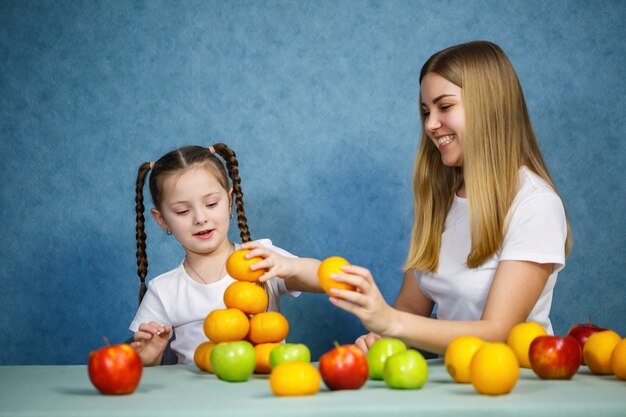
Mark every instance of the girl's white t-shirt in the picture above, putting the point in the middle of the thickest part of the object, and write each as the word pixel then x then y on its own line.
pixel 536 232
pixel 174 298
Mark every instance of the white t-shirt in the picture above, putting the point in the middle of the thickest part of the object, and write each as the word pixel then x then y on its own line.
pixel 537 232
pixel 174 298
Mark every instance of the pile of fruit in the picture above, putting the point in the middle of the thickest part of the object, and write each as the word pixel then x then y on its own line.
pixel 493 368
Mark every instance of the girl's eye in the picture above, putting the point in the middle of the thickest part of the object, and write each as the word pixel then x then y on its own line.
pixel 182 212
pixel 211 205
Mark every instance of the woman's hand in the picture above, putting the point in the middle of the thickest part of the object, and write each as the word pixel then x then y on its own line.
pixel 150 341
pixel 367 303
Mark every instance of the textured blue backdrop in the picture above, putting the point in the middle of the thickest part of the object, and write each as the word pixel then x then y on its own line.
pixel 319 99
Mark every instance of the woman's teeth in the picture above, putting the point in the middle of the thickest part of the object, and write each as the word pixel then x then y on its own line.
pixel 444 140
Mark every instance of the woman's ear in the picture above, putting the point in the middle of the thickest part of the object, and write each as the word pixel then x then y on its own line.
pixel 159 219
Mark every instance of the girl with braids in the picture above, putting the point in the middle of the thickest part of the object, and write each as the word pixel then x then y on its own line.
pixel 490 232
pixel 193 200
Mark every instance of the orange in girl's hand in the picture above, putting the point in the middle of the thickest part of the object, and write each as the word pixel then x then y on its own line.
pixel 329 267
pixel 263 351
pixel 268 327
pixel 238 266
pixel 226 325
pixel 246 296
pixel 202 356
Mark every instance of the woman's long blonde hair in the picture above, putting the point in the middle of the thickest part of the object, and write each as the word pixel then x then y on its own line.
pixel 499 141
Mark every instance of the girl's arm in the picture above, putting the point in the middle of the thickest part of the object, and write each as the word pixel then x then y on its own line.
pixel 300 274
pixel 514 292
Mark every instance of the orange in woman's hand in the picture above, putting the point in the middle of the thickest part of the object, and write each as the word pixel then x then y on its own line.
pixel 238 266
pixel 331 266
pixel 226 325
pixel 269 327
pixel 246 296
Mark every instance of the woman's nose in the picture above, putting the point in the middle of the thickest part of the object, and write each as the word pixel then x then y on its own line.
pixel 432 123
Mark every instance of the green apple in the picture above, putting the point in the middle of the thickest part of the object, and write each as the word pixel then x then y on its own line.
pixel 378 353
pixel 233 361
pixel 289 352
pixel 406 370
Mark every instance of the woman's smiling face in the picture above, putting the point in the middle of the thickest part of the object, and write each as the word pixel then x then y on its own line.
pixel 444 117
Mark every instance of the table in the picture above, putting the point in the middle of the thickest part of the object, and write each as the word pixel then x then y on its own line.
pixel 182 390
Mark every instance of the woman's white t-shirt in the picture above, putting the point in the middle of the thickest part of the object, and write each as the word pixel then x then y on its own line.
pixel 536 232
pixel 174 298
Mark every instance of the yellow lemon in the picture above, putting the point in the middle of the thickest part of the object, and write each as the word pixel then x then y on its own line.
pixel 494 369
pixel 520 338
pixel 598 349
pixel 618 360
pixel 458 357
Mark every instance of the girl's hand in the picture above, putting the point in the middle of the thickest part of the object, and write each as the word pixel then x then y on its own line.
pixel 367 303
pixel 365 341
pixel 276 265
pixel 150 341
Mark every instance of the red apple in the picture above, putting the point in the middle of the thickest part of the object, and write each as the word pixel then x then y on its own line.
pixel 555 357
pixel 581 333
pixel 344 367
pixel 115 369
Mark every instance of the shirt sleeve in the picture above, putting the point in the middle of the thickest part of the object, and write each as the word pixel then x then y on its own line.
pixel 537 231
pixel 150 309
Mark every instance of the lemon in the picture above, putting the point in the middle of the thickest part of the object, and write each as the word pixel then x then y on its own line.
pixel 494 369
pixel 520 338
pixel 458 357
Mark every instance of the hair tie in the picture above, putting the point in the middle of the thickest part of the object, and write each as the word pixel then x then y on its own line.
pixel 151 165
pixel 211 149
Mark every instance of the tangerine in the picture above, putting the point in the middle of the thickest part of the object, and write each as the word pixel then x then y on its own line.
pixel 329 267
pixel 202 356
pixel 268 327
pixel 295 378
pixel 263 351
pixel 618 360
pixel 246 296
pixel 226 325
pixel 238 266
pixel 598 349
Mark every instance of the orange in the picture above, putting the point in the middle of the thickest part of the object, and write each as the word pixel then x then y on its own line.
pixel 226 325
pixel 246 296
pixel 618 360
pixel 331 266
pixel 202 356
pixel 520 338
pixel 263 351
pixel 494 369
pixel 268 327
pixel 238 266
pixel 458 357
pixel 598 350
pixel 295 378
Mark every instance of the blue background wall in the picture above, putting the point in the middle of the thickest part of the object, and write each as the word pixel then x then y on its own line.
pixel 319 99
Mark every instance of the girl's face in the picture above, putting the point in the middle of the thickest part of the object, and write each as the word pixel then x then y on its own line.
pixel 444 117
pixel 196 208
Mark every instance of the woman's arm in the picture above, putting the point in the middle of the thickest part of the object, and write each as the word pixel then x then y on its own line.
pixel 514 292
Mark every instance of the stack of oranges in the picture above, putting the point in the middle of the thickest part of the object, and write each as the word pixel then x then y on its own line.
pixel 244 317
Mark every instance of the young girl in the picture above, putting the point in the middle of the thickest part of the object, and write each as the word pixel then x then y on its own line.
pixel 490 232
pixel 193 201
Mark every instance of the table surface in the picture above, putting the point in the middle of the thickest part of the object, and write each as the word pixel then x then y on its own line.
pixel 181 390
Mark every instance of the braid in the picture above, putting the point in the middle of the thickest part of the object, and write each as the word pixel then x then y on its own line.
pixel 233 172
pixel 140 233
